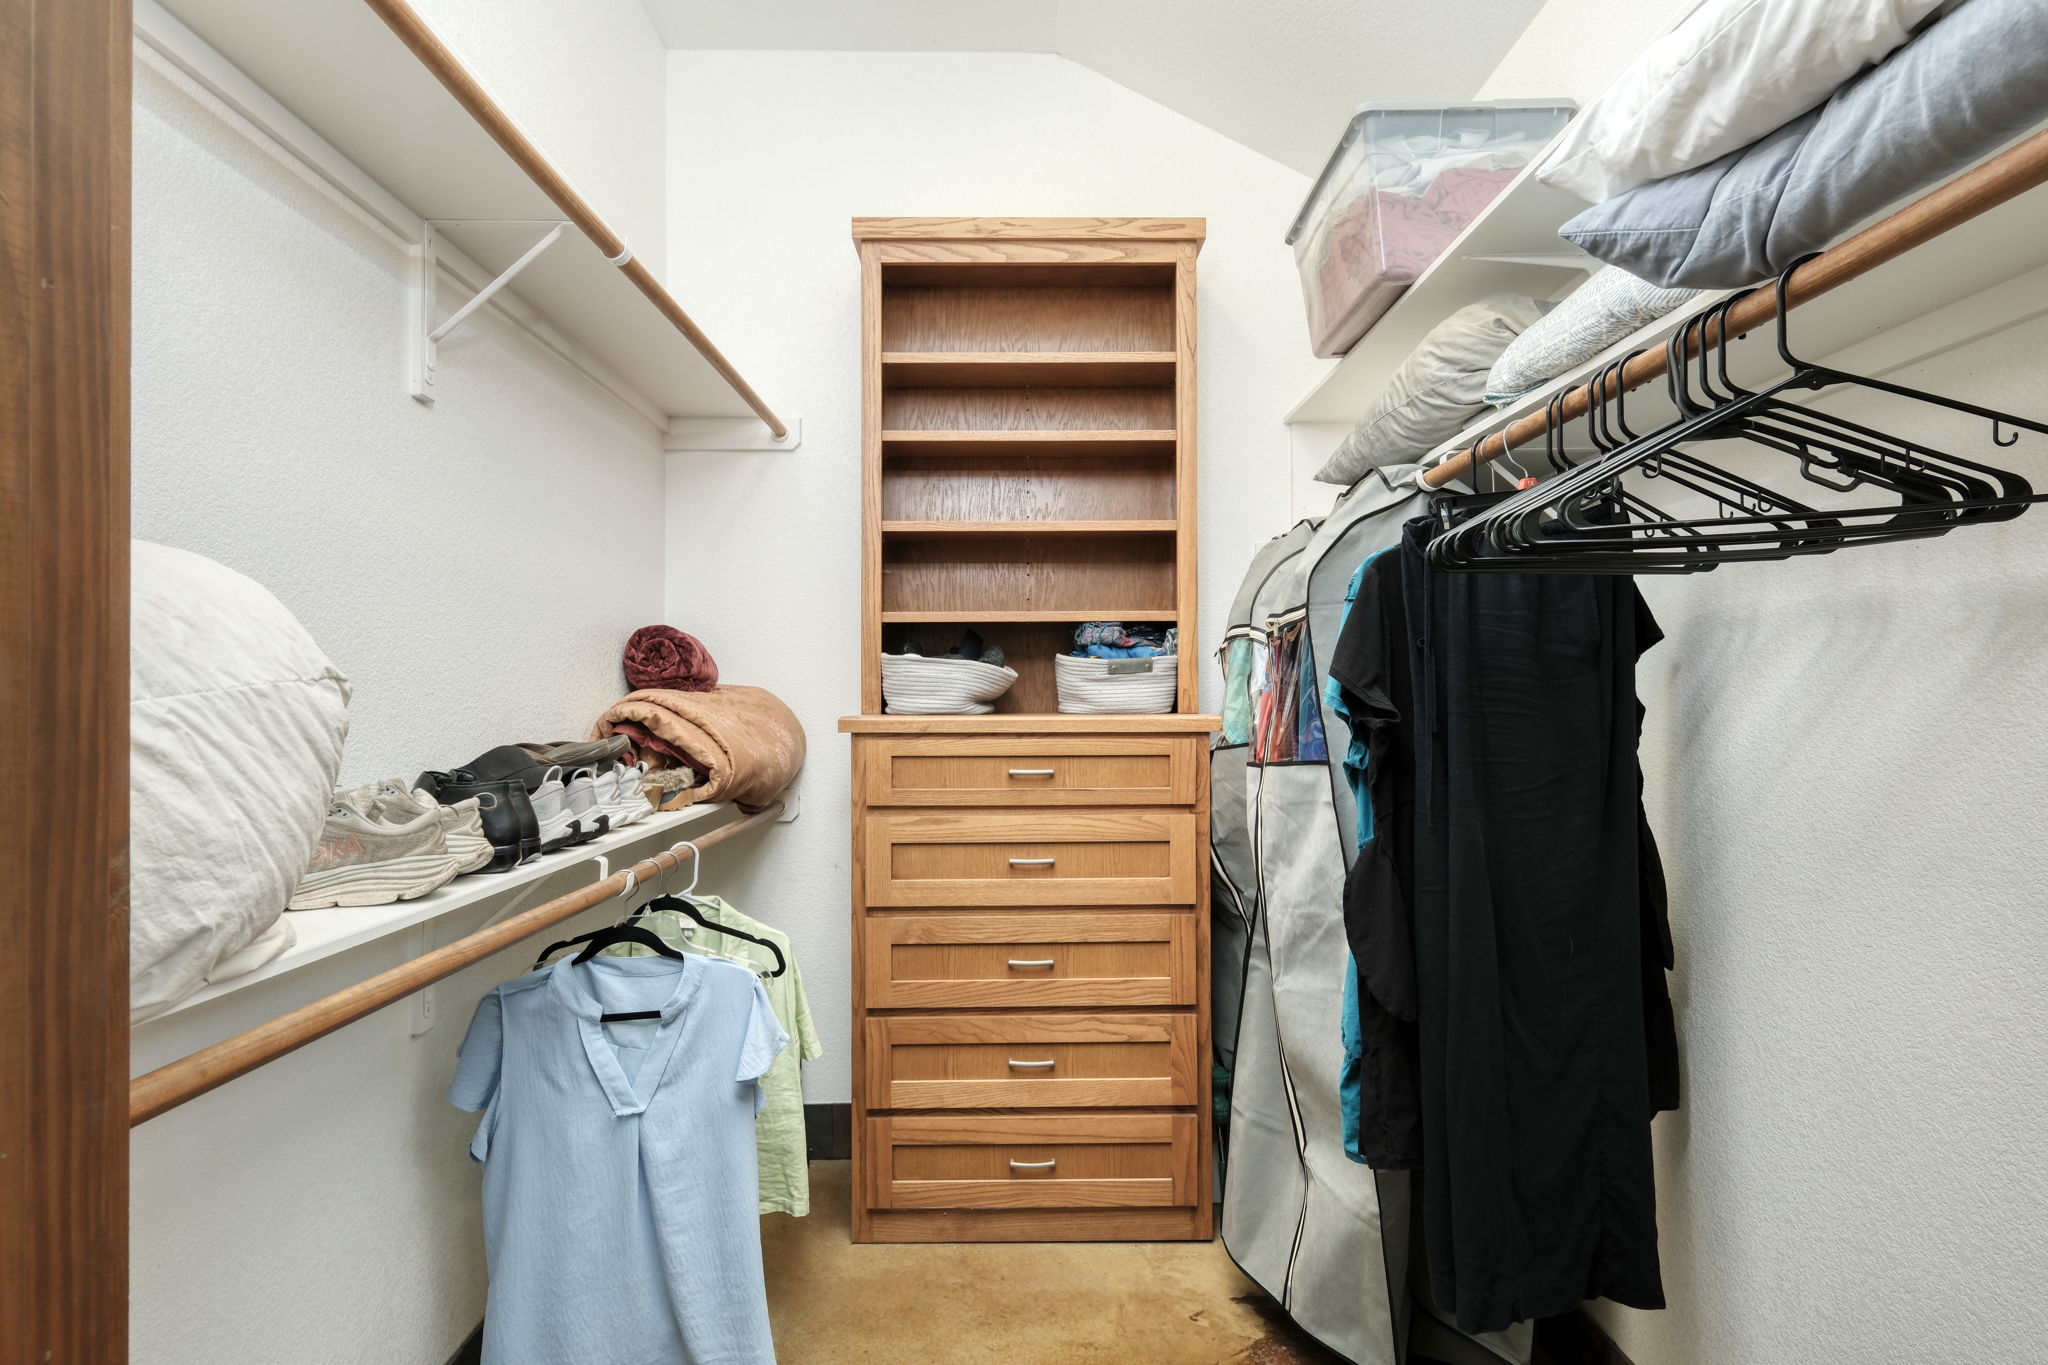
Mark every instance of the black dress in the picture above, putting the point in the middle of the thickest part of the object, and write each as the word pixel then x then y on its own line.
pixel 1508 921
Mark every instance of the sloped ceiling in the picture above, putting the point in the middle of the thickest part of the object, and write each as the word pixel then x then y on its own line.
pixel 1279 76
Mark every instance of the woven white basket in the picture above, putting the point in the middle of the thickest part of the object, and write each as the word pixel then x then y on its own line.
pixel 1090 687
pixel 913 685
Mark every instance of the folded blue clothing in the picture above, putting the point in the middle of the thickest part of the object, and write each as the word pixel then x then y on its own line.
pixel 1113 640
pixel 1120 652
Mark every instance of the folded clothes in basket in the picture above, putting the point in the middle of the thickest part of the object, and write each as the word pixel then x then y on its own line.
pixel 1113 640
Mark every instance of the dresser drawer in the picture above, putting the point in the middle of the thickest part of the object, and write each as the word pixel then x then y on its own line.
pixel 1031 1061
pixel 1031 1161
pixel 1024 770
pixel 1016 858
pixel 1029 960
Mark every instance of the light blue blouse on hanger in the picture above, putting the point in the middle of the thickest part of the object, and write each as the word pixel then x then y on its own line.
pixel 619 1170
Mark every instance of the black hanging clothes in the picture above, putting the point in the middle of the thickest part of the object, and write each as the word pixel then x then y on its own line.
pixel 1507 917
pixel 1530 917
pixel 1371 668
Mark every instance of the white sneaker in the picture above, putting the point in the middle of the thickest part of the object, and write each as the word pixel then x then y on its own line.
pixel 592 816
pixel 462 824
pixel 551 807
pixel 629 794
pixel 367 860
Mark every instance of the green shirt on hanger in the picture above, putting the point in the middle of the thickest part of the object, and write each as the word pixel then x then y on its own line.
pixel 779 1126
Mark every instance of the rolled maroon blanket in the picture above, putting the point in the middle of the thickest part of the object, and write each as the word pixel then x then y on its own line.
pixel 664 658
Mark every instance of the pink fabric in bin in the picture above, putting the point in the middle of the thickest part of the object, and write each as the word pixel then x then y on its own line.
pixel 1388 238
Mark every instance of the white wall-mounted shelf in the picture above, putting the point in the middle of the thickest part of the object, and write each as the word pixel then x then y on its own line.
pixel 323 933
pixel 366 96
pixel 1512 245
pixel 1985 274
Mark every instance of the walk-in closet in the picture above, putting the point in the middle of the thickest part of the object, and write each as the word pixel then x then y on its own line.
pixel 1059 681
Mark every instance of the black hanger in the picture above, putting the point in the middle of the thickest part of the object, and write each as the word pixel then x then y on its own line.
pixel 1570 523
pixel 597 940
pixel 691 909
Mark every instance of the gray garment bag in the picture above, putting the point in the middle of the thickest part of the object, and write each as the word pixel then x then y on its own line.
pixel 1326 1237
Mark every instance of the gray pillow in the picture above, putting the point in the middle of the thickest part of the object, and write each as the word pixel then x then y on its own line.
pixel 1437 391
pixel 1599 313
pixel 1957 92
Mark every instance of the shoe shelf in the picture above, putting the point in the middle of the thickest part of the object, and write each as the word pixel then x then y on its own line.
pixel 371 101
pixel 322 934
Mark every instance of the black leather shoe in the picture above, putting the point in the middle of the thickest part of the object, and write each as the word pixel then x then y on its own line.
pixel 508 818
pixel 508 763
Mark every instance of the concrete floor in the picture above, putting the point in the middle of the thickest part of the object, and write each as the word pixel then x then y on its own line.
pixel 1137 1303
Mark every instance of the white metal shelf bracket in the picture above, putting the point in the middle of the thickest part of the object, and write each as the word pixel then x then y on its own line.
pixel 426 334
pixel 738 434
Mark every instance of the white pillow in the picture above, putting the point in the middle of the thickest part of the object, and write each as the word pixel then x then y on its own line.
pixel 1436 391
pixel 1730 72
pixel 237 721
pixel 1600 312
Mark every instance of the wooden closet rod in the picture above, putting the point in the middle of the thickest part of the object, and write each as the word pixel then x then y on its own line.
pixel 169 1086
pixel 435 55
pixel 2006 176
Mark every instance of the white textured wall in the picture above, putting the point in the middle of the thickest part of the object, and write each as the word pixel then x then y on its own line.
pixel 1847 761
pixel 770 155
pixel 1574 48
pixel 1283 76
pixel 584 78
pixel 473 567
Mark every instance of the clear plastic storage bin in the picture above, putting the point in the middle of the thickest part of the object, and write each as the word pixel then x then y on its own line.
pixel 1404 181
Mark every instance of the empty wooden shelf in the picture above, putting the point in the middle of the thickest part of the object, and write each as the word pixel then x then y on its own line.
pixel 1030 888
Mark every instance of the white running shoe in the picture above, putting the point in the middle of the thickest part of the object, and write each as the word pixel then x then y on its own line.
pixel 462 824
pixel 592 816
pixel 551 807
pixel 363 859
pixel 629 794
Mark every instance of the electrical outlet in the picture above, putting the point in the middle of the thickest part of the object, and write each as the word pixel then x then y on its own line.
pixel 422 1010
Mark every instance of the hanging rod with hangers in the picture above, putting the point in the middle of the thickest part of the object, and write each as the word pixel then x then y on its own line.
pixel 2006 176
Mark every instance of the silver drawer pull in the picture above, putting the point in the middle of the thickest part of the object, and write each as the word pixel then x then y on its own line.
pixel 1033 1165
pixel 1033 962
pixel 1032 772
pixel 1031 862
pixel 1045 1065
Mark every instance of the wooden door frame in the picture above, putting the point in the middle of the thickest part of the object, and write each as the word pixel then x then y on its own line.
pixel 65 72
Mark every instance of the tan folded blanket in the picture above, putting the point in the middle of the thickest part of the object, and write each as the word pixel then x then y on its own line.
pixel 744 740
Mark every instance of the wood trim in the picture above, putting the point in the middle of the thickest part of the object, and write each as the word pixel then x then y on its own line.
pixel 864 1155
pixel 1205 1127
pixel 1156 229
pixel 870 480
pixel 1187 593
pixel 64 484
pixel 447 68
